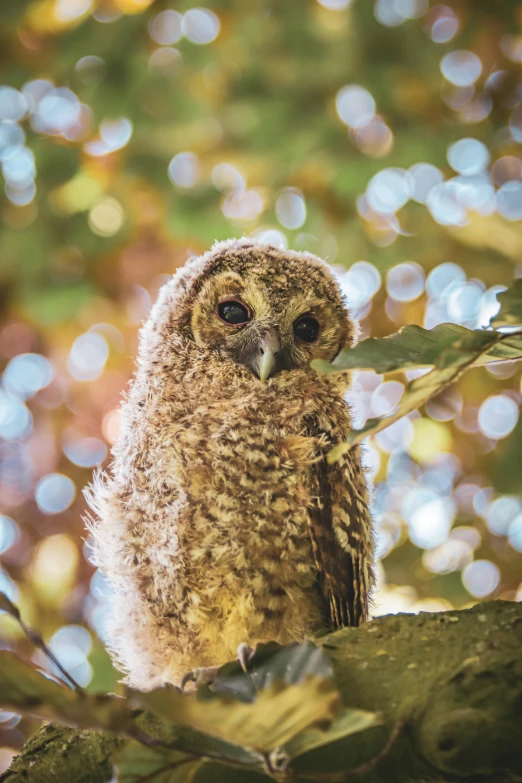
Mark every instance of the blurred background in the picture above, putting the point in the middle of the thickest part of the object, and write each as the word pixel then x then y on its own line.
pixel 385 136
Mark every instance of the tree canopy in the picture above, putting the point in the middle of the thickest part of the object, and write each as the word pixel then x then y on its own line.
pixel 384 136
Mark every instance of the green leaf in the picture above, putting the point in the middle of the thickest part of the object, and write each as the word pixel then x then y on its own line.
pixel 25 689
pixel 347 723
pixel 508 347
pixel 279 713
pixel 286 691
pixel 272 662
pixel 450 349
pixel 411 347
pixel 414 347
pixel 449 365
pixel 510 313
pixel 135 763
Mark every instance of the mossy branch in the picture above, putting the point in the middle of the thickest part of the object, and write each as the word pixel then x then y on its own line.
pixel 447 687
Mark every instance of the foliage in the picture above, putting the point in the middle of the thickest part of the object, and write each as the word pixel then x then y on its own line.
pixel 449 349
pixel 252 133
pixel 301 712
pixel 285 707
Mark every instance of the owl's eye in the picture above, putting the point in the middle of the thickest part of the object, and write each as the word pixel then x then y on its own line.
pixel 233 312
pixel 306 329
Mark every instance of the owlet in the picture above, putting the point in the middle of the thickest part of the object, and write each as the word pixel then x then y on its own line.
pixel 222 521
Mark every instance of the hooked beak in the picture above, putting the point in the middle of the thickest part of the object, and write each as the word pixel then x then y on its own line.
pixel 265 360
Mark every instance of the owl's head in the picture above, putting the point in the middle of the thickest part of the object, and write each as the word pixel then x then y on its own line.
pixel 270 310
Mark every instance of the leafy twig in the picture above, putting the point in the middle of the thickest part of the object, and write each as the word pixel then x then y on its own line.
pixel 35 638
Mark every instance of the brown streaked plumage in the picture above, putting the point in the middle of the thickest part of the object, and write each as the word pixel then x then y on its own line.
pixel 221 521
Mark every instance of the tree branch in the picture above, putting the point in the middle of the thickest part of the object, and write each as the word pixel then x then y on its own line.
pixel 452 681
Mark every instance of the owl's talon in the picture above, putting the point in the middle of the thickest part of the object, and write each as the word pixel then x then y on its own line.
pixel 245 653
pixel 188 677
pixel 200 676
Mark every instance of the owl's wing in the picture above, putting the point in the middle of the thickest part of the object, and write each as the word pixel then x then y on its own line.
pixel 341 533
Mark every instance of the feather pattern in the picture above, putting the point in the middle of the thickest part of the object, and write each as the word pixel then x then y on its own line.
pixel 219 514
pixel 340 531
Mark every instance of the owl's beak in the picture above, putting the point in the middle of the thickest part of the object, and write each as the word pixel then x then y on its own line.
pixel 265 361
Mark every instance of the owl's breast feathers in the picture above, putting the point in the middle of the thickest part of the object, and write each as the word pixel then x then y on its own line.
pixel 263 514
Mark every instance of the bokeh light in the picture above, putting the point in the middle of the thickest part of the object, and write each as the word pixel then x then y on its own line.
pixel 498 416
pixel 12 137
pixel 72 644
pixel 54 493
pixel 423 177
pixel 509 200
pixel 431 440
pixel 291 208
pixel 444 205
pixel 393 13
pixel 88 356
pixel 26 374
pixel 184 169
pixel 461 68
pixel 374 139
pixel 271 236
pixel 90 69
pixel 8 586
pixel 405 282
pixel 85 452
pixel 243 206
pixel 9 533
pixel 116 133
pixel 481 578
pixel 53 568
pixel 106 217
pixel 468 156
pixel 388 191
pixel 335 5
pixel 443 277
pixel 464 301
pixel 359 284
pixel 226 177
pixel 442 23
pixel 501 512
pixel 15 418
pixel 13 105
pixel 505 169
pixel 165 27
pixel 429 518
pixel 56 112
pixel 384 136
pixel 200 26
pixel 451 555
pixel 515 533
pixel 355 105
pixel 19 169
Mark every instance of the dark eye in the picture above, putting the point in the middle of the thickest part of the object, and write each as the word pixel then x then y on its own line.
pixel 306 329
pixel 233 313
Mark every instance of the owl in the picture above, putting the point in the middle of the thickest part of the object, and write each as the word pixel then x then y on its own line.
pixel 221 522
